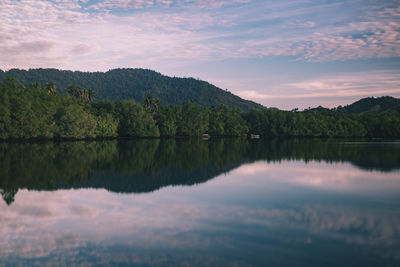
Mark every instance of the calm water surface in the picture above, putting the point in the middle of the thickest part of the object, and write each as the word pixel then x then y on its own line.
pixel 193 202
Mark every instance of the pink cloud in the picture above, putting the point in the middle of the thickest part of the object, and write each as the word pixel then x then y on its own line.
pixel 351 86
pixel 337 177
pixel 139 4
pixel 82 49
pixel 148 38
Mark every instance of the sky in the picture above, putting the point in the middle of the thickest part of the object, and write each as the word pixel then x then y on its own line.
pixel 286 54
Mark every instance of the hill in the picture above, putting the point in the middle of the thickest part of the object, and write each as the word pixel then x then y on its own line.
pixel 371 105
pixel 120 84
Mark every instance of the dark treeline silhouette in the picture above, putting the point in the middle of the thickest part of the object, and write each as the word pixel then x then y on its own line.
pixel 145 165
pixel 323 122
pixel 40 112
pixel 120 84
pixel 374 105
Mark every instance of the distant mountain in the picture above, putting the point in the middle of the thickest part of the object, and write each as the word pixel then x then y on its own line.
pixel 120 84
pixel 373 105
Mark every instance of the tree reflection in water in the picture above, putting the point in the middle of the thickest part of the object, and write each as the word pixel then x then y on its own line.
pixel 145 165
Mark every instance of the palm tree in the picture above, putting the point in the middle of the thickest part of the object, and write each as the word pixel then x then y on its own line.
pixel 51 88
pixel 156 105
pixel 148 102
pixel 71 90
pixel 91 95
pixel 151 104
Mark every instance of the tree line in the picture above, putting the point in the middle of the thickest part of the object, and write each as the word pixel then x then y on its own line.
pixel 335 122
pixel 37 111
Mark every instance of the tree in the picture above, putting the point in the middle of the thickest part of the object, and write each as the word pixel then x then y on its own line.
pixel 235 125
pixel 191 119
pixel 166 121
pixel 5 122
pixel 135 121
pixel 73 121
pixel 51 88
pixel 106 126
pixel 151 104
pixel 216 123
pixel 90 95
pixel 81 93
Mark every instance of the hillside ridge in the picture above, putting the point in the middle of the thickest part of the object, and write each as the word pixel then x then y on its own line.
pixel 374 105
pixel 123 83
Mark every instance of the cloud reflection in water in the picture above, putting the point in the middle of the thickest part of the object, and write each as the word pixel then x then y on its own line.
pixel 300 201
pixel 196 225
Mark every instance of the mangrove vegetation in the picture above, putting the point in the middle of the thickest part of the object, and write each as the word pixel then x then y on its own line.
pixel 41 112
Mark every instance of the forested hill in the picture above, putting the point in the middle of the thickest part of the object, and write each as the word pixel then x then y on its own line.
pixel 121 84
pixel 373 105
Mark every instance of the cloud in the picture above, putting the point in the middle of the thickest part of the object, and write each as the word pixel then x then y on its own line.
pixel 361 227
pixel 301 24
pixel 325 176
pixel 348 87
pixel 111 4
pixel 374 36
pixel 251 169
pixel 158 33
pixel 254 95
pixel 374 83
pixel 27 31
pixel 33 47
pixel 208 4
pixel 368 40
pixel 141 4
pixel 82 49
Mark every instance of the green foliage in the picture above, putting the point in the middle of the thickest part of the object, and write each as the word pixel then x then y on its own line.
pixel 80 93
pixel 192 120
pixel 166 121
pixel 107 126
pixel 217 120
pixel 73 121
pixel 51 88
pixel 235 125
pixel 120 84
pixel 151 104
pixel 135 121
pixel 226 122
pixel 309 123
pixel 36 112
pixel 5 120
pixel 383 125
pixel 371 105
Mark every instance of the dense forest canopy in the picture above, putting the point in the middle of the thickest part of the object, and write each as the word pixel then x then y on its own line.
pixel 120 84
pixel 40 111
pixel 372 105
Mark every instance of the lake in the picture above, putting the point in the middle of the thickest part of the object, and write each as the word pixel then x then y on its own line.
pixel 191 202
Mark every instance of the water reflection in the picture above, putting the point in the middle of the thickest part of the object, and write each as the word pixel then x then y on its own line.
pixel 147 165
pixel 255 203
pixel 338 177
